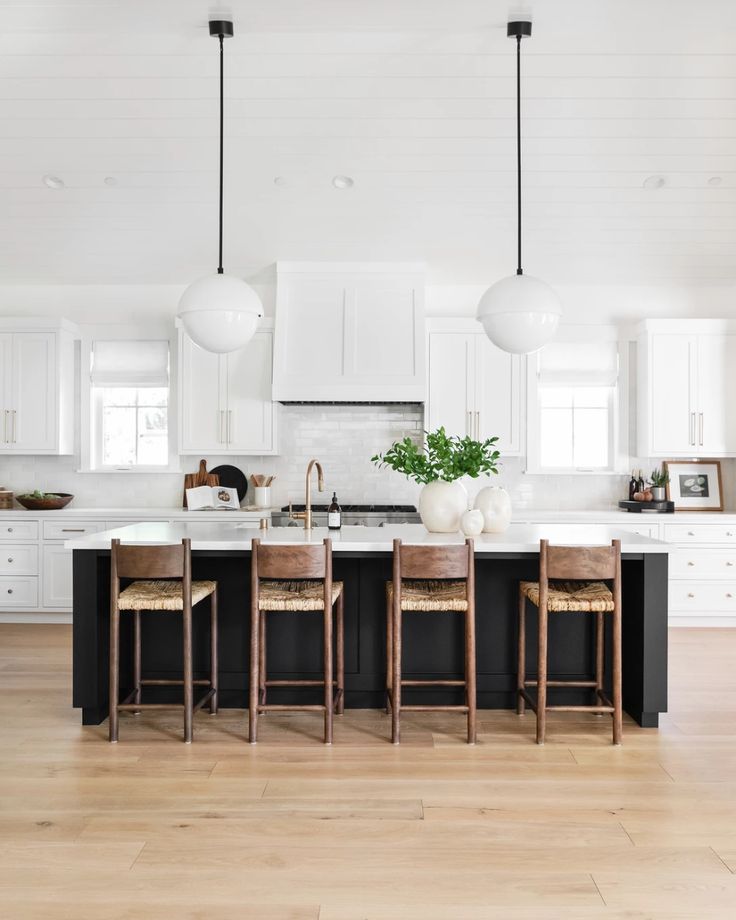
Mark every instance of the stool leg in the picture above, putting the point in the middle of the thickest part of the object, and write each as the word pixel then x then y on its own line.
pixel 329 692
pixel 389 655
pixel 253 683
pixel 114 665
pixel 396 675
pixel 617 667
pixel 542 676
pixel 521 656
pixel 188 688
pixel 137 657
pixel 599 650
pixel 214 666
pixel 340 653
pixel 262 659
pixel 470 687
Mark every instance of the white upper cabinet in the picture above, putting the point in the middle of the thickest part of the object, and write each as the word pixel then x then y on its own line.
pixel 36 387
pixel 225 404
pixel 474 388
pixel 349 333
pixel 687 375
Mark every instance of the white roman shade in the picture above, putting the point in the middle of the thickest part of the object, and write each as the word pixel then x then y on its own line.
pixel 130 362
pixel 592 364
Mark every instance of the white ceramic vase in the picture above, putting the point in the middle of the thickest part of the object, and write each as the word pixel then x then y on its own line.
pixel 441 506
pixel 495 504
pixel 472 523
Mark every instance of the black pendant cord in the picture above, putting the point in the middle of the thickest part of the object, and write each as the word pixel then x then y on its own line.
pixel 518 155
pixel 222 138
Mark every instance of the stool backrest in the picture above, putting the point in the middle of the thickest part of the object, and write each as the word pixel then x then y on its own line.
pixel 579 563
pixel 290 562
pixel 434 562
pixel 168 561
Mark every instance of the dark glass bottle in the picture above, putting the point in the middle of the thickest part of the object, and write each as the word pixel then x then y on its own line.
pixel 334 514
pixel 633 486
pixel 640 485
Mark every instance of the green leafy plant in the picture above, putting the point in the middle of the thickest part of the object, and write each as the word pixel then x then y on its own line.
pixel 659 478
pixel 38 494
pixel 443 456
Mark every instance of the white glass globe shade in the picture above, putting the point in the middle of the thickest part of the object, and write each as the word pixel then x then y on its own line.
pixel 520 314
pixel 220 313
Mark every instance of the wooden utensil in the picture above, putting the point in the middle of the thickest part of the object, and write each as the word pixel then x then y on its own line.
pixel 200 478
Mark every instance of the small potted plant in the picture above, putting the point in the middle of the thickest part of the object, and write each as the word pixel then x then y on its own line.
pixel 438 465
pixel 659 479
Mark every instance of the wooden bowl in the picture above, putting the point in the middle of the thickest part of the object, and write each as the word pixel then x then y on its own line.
pixel 45 504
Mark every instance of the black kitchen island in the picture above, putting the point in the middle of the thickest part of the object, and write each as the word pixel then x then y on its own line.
pixel 433 644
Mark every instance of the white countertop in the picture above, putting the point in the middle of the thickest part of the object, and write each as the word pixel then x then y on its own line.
pixel 138 514
pixel 519 538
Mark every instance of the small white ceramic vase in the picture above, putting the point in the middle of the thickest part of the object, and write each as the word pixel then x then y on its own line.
pixel 472 523
pixel 441 505
pixel 495 504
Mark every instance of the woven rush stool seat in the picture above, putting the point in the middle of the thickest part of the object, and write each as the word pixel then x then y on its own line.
pixel 574 596
pixel 162 595
pixel 295 596
pixel 430 596
pixel 161 580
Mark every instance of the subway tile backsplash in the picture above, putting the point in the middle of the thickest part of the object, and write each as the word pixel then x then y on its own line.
pixel 343 438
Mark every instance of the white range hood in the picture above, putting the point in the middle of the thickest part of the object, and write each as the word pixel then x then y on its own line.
pixel 349 332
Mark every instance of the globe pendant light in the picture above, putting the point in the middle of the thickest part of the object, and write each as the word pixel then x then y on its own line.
pixel 220 312
pixel 520 314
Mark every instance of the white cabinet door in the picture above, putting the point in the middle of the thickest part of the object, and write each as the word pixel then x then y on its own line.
pixel 202 399
pixel 57 576
pixel 6 362
pixel 716 419
pixel 33 423
pixel 451 384
pixel 384 341
pixel 250 411
pixel 672 409
pixel 497 396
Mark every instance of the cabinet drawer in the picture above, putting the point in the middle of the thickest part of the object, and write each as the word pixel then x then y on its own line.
pixel 18 530
pixel 19 592
pixel 699 563
pixel 700 533
pixel 19 559
pixel 644 530
pixel 698 597
pixel 67 530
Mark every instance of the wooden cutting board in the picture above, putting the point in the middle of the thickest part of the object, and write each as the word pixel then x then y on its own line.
pixel 200 478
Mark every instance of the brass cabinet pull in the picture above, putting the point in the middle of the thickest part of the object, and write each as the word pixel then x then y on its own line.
pixel 229 425
pixel 700 426
pixel 691 563
pixel 692 429
pixel 469 425
pixel 477 426
pixel 690 594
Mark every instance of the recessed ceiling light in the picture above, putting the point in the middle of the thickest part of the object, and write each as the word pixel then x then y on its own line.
pixel 343 182
pixel 53 182
pixel 654 182
pixel 715 180
pixel 110 181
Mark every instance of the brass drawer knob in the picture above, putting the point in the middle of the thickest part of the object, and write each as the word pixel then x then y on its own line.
pixel 691 533
pixel 691 563
pixel 690 594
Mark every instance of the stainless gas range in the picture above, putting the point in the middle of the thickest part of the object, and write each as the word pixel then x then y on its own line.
pixel 352 515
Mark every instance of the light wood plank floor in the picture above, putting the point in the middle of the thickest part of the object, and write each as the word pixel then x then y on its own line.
pixel 434 830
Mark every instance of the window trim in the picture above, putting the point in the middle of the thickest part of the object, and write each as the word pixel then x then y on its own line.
pixel 618 419
pixel 87 427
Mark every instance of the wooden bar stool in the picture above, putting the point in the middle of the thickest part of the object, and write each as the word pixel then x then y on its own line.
pixel 164 583
pixel 578 574
pixel 438 578
pixel 295 579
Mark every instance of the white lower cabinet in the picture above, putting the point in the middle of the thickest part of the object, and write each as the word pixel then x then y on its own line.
pixel 57 576
pixel 17 591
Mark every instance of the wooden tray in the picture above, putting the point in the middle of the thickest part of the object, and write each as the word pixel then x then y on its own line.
pixel 663 507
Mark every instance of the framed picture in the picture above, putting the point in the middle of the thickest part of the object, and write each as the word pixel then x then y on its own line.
pixel 695 485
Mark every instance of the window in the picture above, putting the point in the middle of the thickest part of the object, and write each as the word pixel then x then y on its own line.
pixel 130 404
pixel 574 411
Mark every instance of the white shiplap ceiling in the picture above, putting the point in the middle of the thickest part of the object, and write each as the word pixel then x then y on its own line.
pixel 413 100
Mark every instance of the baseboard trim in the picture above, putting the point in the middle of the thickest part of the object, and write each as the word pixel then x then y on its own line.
pixel 35 616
